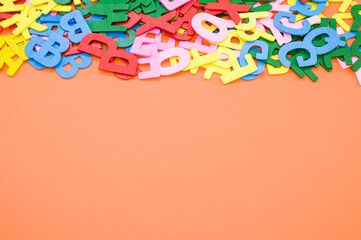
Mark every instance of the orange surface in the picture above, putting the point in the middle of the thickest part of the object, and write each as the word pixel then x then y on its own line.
pixel 179 158
pixel 96 157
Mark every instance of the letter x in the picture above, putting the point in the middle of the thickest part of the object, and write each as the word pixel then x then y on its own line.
pixel 231 9
pixel 160 22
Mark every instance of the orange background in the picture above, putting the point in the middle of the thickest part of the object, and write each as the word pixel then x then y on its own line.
pixel 180 157
pixel 98 158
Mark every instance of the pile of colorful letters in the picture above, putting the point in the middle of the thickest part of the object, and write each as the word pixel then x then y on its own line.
pixel 236 39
